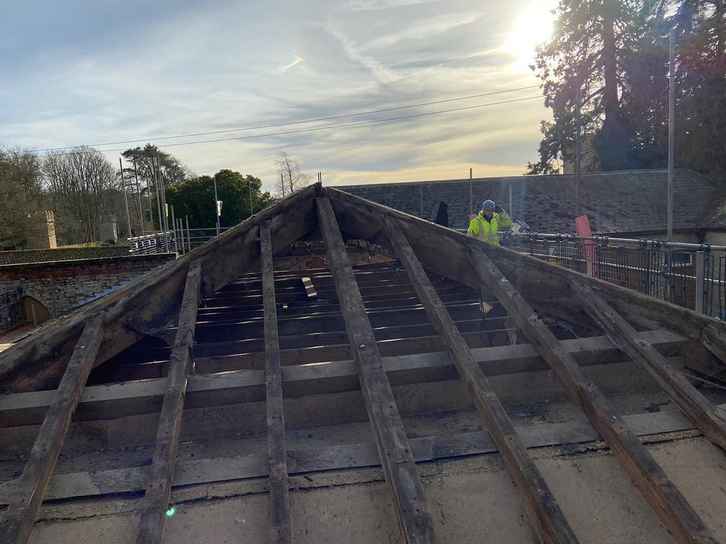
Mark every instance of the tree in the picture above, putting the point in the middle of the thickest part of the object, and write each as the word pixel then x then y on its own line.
pixel 626 100
pixel 592 41
pixel 700 30
pixel 291 177
pixel 20 196
pixel 241 196
pixel 82 187
pixel 151 165
pixel 169 168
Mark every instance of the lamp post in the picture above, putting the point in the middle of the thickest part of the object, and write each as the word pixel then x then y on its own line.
pixel 671 131
pixel 216 204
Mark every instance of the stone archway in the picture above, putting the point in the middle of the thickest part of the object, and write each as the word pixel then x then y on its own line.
pixel 34 311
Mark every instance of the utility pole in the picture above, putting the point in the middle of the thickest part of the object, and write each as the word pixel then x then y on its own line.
pixel 471 192
pixel 142 214
pixel 249 190
pixel 126 196
pixel 578 147
pixel 511 206
pixel 671 130
pixel 162 188
pixel 189 233
pixel 176 234
pixel 158 193
pixel 216 204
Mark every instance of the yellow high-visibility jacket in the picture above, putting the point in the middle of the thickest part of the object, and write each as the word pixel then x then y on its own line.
pixel 488 231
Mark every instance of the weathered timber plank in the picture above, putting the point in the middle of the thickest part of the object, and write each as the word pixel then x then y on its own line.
pixel 209 349
pixel 158 487
pixel 697 407
pixel 276 446
pixel 393 446
pixel 137 397
pixel 544 513
pixel 149 301
pixel 405 302
pixel 646 474
pixel 302 459
pixel 444 251
pixel 16 524
pixel 221 331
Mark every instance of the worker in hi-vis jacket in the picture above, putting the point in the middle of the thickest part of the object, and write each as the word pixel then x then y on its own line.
pixel 486 226
pixel 488 222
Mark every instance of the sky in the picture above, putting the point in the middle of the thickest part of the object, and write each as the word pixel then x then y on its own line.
pixel 109 71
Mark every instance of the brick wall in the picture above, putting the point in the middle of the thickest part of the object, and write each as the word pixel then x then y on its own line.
pixel 62 285
pixel 61 254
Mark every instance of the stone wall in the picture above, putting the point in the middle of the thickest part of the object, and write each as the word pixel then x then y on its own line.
pixel 616 202
pixel 10 296
pixel 61 254
pixel 61 286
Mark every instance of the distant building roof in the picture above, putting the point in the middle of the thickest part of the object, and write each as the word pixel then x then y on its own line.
pixel 625 201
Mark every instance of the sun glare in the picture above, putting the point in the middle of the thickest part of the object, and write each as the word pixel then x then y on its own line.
pixel 532 28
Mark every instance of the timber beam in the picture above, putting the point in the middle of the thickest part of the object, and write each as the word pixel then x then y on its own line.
pixel 393 445
pixel 161 476
pixel 276 442
pixel 303 460
pixel 16 523
pixel 547 287
pixel 702 412
pixel 324 376
pixel 149 302
pixel 669 504
pixel 544 513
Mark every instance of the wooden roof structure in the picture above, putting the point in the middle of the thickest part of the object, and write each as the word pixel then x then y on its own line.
pixel 44 380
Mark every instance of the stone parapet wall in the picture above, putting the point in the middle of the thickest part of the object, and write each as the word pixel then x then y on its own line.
pixel 63 285
pixel 61 254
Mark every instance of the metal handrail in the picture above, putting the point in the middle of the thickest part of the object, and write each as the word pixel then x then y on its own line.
pixel 606 239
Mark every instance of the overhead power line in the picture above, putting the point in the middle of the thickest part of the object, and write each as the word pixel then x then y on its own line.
pixel 356 124
pixel 290 123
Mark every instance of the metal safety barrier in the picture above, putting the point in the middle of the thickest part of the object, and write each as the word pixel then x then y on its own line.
pixel 179 241
pixel 690 275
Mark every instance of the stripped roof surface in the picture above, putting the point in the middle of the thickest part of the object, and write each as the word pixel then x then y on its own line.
pixel 223 305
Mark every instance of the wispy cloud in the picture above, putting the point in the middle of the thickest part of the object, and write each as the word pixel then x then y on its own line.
pixel 377 5
pixel 295 62
pixel 176 68
pixel 354 52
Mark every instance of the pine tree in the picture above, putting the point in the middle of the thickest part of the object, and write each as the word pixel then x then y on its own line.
pixel 592 40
